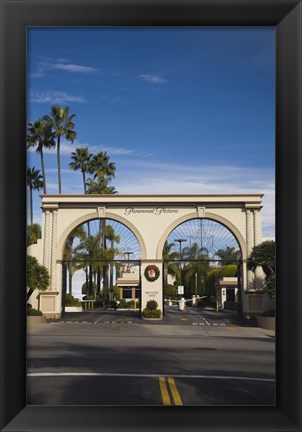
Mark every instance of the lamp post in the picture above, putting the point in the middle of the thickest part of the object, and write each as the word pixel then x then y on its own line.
pixel 180 241
pixel 128 254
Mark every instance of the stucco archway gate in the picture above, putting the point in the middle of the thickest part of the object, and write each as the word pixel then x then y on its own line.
pixel 151 218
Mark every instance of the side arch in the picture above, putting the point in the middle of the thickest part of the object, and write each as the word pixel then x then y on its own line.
pixel 92 216
pixel 208 215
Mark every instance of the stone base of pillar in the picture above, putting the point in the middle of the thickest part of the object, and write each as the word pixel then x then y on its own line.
pixel 48 304
pixel 52 315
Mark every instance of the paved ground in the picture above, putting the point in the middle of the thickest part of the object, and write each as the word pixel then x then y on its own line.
pixel 196 357
pixel 192 316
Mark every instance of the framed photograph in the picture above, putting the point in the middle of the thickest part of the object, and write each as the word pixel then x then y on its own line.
pixel 132 23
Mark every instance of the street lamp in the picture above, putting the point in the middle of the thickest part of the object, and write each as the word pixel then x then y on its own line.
pixel 180 241
pixel 128 254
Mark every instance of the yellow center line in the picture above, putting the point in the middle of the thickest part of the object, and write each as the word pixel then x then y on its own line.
pixel 174 391
pixel 164 391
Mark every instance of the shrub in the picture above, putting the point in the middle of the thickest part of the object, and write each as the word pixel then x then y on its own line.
pixel 37 276
pixel 84 287
pixel 170 291
pixel 147 313
pixel 116 292
pixel 33 312
pixel 131 304
pixel 90 297
pixel 71 301
pixel 111 304
pixel 151 305
pixel 98 303
pixel 122 304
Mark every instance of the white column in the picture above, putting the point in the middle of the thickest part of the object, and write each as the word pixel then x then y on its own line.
pixel 53 268
pixel 257 240
pixel 250 245
pixel 47 243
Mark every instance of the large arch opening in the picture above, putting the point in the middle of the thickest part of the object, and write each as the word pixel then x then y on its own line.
pixel 101 262
pixel 202 261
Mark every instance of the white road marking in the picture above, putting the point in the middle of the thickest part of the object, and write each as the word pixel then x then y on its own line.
pixel 95 322
pixel 100 374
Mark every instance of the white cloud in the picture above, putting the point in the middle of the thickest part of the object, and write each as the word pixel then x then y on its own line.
pixel 73 68
pixel 153 79
pixel 54 97
pixel 161 178
pixel 50 64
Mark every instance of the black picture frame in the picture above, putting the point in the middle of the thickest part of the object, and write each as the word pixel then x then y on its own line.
pixel 16 16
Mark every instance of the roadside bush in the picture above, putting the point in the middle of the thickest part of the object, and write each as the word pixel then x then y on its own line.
pixel 98 304
pixel 33 312
pixel 131 304
pixel 84 287
pixel 151 305
pixel 122 304
pixel 71 301
pixel 111 304
pixel 90 297
pixel 170 292
pixel 147 313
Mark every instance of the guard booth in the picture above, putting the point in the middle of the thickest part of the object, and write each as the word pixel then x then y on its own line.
pixel 227 293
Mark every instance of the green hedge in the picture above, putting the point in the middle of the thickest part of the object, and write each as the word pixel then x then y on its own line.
pixel 152 313
pixel 33 312
pixel 71 301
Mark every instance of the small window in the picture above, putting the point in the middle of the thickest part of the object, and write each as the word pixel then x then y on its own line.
pixel 127 293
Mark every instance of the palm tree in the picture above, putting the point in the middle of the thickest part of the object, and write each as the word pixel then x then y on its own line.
pixel 90 252
pixel 229 255
pixel 264 255
pixel 100 186
pixel 34 182
pixel 37 276
pixel 79 233
pixel 62 126
pixel 81 160
pixel 33 233
pixel 196 266
pixel 100 164
pixel 40 134
pixel 112 238
pixel 170 267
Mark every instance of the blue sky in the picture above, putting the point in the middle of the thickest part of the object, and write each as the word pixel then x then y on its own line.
pixel 179 110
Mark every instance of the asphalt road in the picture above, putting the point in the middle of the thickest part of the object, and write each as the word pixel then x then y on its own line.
pixel 195 357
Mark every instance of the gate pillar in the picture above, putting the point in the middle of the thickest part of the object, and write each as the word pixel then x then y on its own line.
pixel 152 289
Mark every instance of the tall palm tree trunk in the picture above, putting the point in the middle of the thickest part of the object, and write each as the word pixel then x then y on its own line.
pixel 59 163
pixel 43 170
pixel 90 280
pixel 31 207
pixel 103 246
pixel 85 191
pixel 70 278
pixel 87 280
pixel 98 281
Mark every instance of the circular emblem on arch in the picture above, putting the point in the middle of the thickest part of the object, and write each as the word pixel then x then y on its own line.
pixel 152 273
